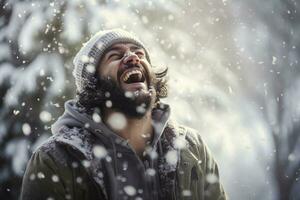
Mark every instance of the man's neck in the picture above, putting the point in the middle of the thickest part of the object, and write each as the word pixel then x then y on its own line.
pixel 138 131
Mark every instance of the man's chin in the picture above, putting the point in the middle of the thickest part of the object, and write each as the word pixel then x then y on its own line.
pixel 136 91
pixel 133 87
pixel 133 100
pixel 142 101
pixel 136 105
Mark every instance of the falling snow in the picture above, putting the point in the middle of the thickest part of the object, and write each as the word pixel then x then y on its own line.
pixel 117 121
pixel 211 178
pixel 99 151
pixel 130 190
pixel 233 76
pixel 26 129
pixel 172 157
pixel 45 116
pixel 55 178
pixel 96 117
pixel 40 175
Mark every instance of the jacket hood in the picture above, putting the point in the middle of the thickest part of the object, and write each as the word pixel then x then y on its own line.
pixel 75 116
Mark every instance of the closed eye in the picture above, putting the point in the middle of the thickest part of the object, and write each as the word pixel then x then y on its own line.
pixel 140 54
pixel 114 56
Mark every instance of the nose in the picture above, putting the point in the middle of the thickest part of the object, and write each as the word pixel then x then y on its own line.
pixel 131 58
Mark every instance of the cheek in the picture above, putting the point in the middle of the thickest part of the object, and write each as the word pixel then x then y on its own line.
pixel 150 74
pixel 147 67
pixel 108 71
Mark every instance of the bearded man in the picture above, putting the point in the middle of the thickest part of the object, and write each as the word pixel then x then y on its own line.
pixel 115 140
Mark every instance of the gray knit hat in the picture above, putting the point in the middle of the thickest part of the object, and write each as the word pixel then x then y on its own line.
pixel 88 58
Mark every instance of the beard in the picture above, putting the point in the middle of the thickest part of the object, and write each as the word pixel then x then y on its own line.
pixel 132 104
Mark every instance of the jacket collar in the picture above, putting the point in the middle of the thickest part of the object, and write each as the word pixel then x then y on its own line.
pixel 75 116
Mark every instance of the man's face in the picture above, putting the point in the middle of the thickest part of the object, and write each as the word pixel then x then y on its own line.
pixel 126 64
pixel 130 75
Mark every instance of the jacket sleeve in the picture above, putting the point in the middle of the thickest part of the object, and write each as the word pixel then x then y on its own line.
pixel 58 174
pixel 213 189
pixel 42 179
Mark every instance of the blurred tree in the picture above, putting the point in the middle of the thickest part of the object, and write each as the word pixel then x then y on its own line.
pixel 272 71
pixel 38 40
pixel 25 81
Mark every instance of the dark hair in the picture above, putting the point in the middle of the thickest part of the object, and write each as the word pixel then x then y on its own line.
pixel 93 96
pixel 161 83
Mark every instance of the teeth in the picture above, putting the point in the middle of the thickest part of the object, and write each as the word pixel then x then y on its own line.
pixel 128 74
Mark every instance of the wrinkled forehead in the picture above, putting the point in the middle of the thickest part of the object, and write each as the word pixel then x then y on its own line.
pixel 124 47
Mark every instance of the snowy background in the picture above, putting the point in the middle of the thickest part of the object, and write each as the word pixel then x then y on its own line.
pixel 234 76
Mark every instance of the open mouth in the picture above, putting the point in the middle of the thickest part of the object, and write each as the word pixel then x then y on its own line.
pixel 133 76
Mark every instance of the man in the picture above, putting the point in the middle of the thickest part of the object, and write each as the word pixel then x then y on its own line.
pixel 115 140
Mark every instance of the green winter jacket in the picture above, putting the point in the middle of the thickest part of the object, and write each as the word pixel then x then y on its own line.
pixel 60 169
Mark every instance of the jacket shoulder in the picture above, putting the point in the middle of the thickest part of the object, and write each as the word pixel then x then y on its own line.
pixel 202 164
pixel 191 135
pixel 73 141
pixel 54 171
pixel 197 146
pixel 55 156
pixel 196 150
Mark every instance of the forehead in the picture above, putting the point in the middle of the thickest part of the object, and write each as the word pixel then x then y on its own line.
pixel 124 46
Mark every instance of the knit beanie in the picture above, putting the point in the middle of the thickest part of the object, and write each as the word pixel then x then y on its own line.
pixel 89 56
